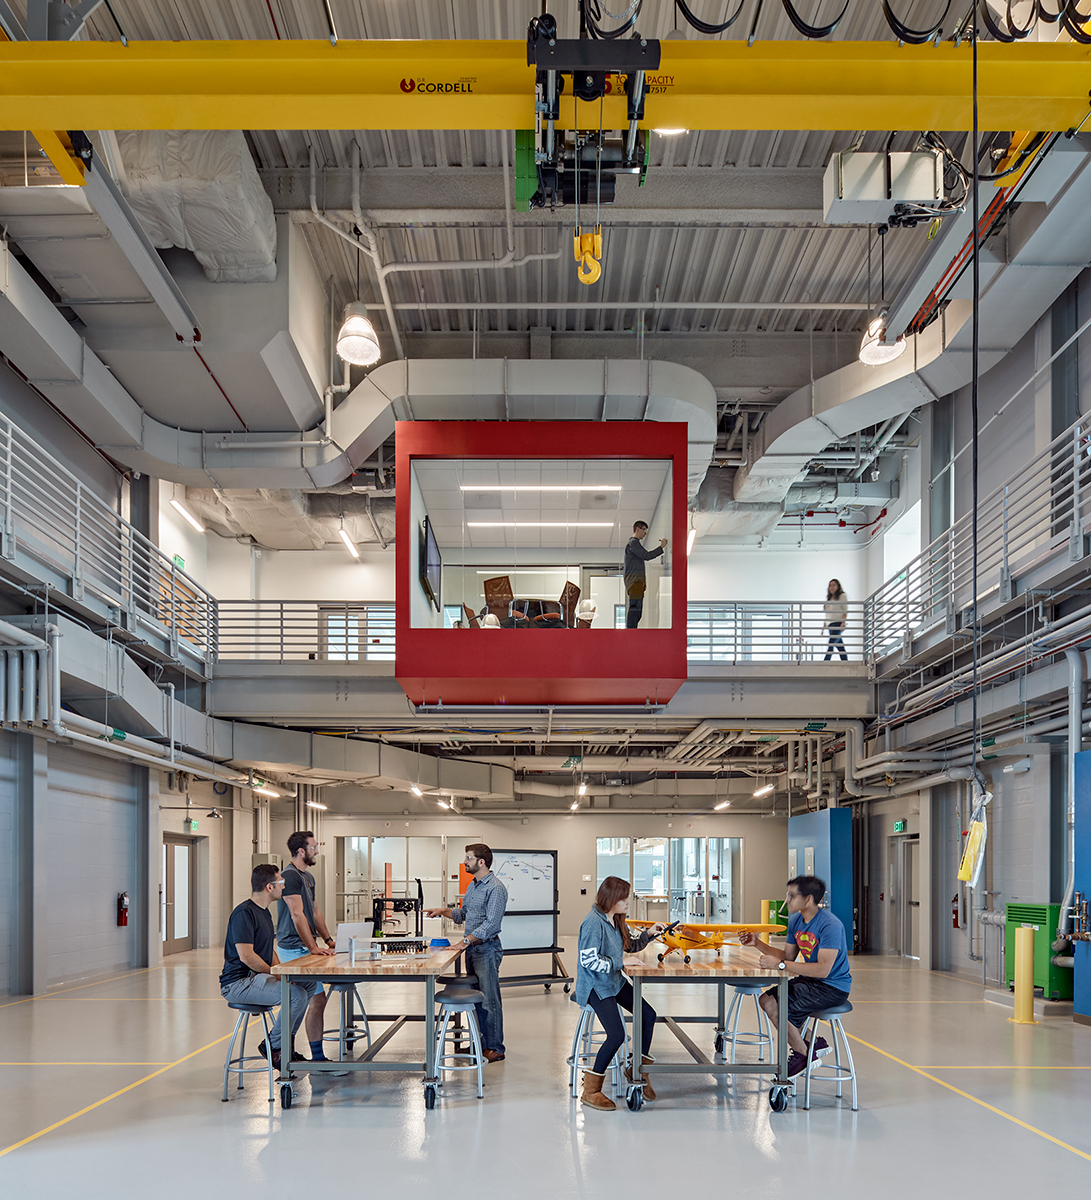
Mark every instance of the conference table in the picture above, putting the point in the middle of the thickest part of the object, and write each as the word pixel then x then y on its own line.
pixel 392 967
pixel 733 964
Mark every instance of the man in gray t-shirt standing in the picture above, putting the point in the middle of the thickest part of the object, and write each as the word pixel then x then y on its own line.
pixel 636 580
pixel 300 923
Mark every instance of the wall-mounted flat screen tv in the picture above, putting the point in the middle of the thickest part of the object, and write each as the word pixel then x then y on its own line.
pixel 431 565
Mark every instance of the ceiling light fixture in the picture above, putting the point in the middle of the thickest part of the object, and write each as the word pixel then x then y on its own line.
pixel 723 804
pixel 540 487
pixel 574 805
pixel 764 791
pixel 180 507
pixel 343 535
pixel 416 790
pixel 539 524
pixel 873 350
pixel 690 539
pixel 669 132
pixel 357 341
pixel 267 791
pixel 583 789
pixel 315 804
pixel 443 804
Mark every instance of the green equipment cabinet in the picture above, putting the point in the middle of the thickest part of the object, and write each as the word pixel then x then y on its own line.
pixel 778 913
pixel 1055 982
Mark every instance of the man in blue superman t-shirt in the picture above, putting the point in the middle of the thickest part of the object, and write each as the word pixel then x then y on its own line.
pixel 815 954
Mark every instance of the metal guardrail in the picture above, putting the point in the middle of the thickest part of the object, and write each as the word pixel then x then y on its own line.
pixel 1041 516
pixel 340 631
pixel 305 630
pixel 55 526
pixel 735 633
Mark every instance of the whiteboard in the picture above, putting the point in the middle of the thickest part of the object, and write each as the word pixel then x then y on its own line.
pixel 528 876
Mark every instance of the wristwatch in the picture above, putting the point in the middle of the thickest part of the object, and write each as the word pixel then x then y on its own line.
pixel 782 965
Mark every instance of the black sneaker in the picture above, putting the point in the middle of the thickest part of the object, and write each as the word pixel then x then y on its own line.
pixel 276 1055
pixel 797 1063
pixel 821 1048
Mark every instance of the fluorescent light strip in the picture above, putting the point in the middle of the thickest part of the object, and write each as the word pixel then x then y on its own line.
pixel 539 524
pixel 266 791
pixel 315 804
pixel 540 487
pixel 689 541
pixel 722 805
pixel 764 791
pixel 179 507
pixel 343 533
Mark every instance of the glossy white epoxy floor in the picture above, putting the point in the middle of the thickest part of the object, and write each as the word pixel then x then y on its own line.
pixel 955 1101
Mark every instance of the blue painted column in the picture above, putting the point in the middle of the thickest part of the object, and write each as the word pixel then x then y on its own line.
pixel 829 834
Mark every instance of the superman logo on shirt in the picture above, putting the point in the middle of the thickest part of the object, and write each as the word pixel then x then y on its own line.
pixel 808 945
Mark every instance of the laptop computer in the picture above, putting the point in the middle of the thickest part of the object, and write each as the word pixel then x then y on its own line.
pixel 361 930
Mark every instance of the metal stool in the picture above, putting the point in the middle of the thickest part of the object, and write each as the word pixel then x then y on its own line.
pixel 346 1034
pixel 835 1073
pixel 238 1065
pixel 458 1001
pixel 760 1039
pixel 585 1044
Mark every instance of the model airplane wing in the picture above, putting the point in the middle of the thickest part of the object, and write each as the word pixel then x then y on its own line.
pixel 702 929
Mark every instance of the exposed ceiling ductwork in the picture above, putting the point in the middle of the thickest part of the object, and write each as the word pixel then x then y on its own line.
pixel 199 190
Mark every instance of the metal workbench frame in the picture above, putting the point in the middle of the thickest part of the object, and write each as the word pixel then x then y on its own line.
pixel 367 1060
pixel 702 1064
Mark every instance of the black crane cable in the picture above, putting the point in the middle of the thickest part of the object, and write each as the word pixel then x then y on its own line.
pixel 914 37
pixel 704 26
pixel 975 361
pixel 814 31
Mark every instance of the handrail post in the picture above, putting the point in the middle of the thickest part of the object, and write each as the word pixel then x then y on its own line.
pixel 7 541
pixel 1075 535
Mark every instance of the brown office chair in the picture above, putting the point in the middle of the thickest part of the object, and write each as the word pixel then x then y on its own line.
pixel 498 596
pixel 469 620
pixel 570 596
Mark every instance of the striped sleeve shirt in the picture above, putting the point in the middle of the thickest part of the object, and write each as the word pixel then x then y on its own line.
pixel 482 908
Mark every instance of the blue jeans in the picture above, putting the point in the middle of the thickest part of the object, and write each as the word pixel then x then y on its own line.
pixel 836 642
pixel 265 989
pixel 302 952
pixel 484 961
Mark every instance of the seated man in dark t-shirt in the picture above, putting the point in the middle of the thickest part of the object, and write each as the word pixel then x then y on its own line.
pixel 820 978
pixel 250 955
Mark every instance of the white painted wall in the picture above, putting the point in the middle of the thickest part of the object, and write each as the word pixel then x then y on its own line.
pixel 177 536
pixel 753 574
pixel 236 571
pixel 764 859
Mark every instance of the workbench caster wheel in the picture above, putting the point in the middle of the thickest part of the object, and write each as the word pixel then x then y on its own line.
pixel 567 988
pixel 660 957
pixel 548 986
pixel 429 1097
pixel 285 1095
pixel 635 1099
pixel 686 959
pixel 720 1043
pixel 778 1099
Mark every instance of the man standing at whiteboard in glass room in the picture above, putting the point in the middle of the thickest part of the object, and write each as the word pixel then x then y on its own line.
pixel 482 910
pixel 636 581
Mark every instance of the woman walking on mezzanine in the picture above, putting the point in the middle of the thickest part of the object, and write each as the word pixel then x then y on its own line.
pixel 836 615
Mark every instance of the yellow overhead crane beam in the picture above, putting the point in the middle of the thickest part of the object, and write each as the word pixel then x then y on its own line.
pixel 487 85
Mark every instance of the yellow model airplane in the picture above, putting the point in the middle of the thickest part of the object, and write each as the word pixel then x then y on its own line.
pixel 684 936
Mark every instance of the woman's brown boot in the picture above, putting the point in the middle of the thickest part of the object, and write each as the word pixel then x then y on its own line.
pixel 649 1091
pixel 592 1092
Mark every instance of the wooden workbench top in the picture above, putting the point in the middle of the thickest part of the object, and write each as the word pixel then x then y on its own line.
pixel 733 961
pixel 436 963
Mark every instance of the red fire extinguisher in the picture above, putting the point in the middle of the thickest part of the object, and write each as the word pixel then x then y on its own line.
pixel 954 912
pixel 123 908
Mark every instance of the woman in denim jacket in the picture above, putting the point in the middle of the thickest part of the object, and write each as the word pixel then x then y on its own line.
pixel 605 940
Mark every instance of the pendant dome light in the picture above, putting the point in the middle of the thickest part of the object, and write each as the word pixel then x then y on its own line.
pixel 357 342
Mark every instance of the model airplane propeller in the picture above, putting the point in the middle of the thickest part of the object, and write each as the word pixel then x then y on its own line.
pixel 687 936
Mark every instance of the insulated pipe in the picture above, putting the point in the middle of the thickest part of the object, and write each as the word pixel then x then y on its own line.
pixel 11 708
pixel 30 679
pixel 19 637
pixel 371 249
pixel 1075 742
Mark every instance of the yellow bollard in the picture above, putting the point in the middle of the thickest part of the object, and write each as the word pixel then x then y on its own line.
pixel 766 919
pixel 1024 977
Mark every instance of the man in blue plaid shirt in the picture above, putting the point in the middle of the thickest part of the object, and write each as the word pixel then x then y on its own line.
pixel 482 911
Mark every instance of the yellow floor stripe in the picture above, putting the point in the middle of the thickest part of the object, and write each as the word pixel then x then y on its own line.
pixel 1001 1067
pixel 113 1096
pixel 86 1064
pixel 966 1095
pixel 856 1002
pixel 79 987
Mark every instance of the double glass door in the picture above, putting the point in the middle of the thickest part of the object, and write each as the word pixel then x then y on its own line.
pixel 176 895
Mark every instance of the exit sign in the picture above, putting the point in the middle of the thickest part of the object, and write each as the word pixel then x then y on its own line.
pixel 899 826
pixel 179 562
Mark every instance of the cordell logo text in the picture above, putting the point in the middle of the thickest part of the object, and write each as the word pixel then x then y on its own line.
pixel 424 86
